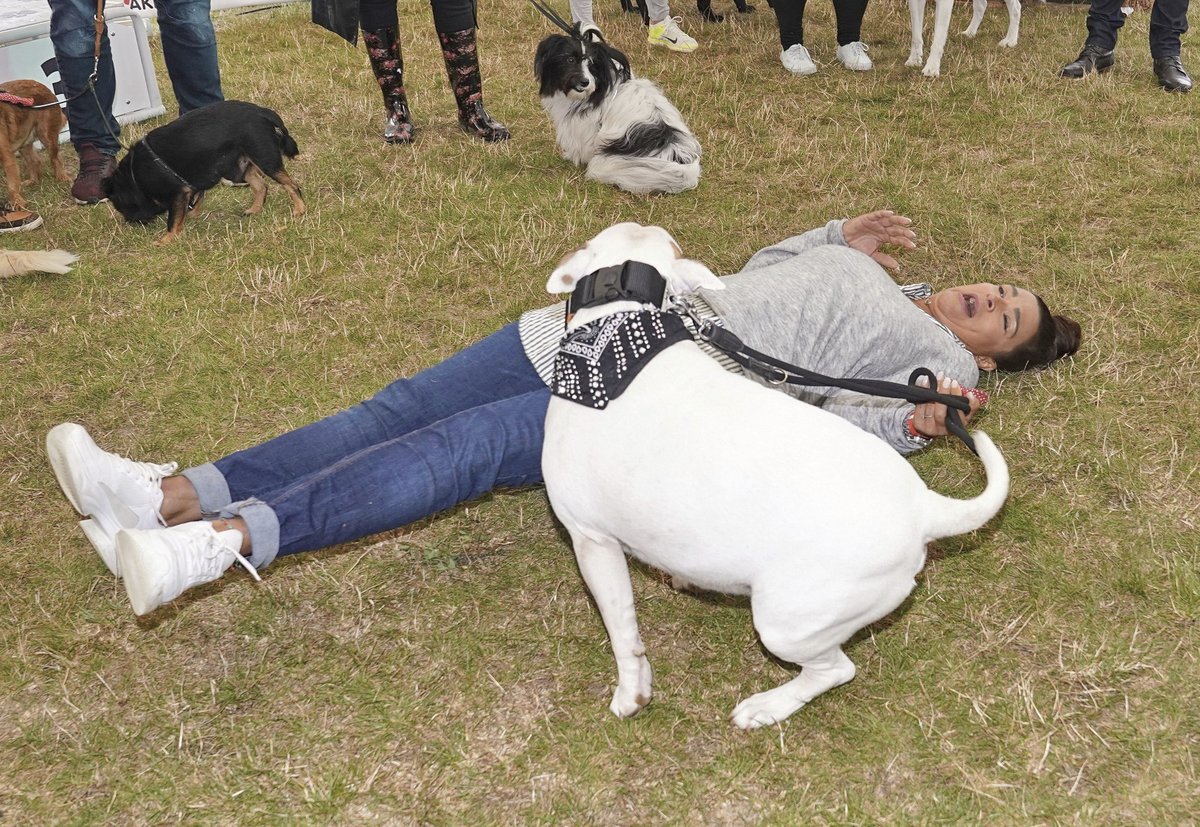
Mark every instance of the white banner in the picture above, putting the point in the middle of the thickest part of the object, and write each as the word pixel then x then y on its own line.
pixel 28 53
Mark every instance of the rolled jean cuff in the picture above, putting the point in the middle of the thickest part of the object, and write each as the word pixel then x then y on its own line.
pixel 211 488
pixel 263 526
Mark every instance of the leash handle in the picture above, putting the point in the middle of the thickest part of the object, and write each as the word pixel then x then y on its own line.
pixel 954 423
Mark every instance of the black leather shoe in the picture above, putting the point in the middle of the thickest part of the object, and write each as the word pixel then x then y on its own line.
pixel 1091 59
pixel 1171 74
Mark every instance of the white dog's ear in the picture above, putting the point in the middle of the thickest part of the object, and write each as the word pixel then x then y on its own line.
pixel 568 272
pixel 695 275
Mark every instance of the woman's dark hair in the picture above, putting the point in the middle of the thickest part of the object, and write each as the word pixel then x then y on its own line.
pixel 1056 337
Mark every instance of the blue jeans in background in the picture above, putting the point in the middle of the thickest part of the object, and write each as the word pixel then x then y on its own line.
pixel 1168 22
pixel 189 50
pixel 449 434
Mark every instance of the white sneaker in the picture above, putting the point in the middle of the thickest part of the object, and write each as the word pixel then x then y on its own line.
pixel 797 60
pixel 854 56
pixel 667 33
pixel 115 492
pixel 161 565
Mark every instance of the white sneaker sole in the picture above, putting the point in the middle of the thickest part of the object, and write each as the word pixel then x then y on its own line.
pixel 676 47
pixel 143 562
pixel 64 445
pixel 61 448
pixel 28 225
pixel 103 543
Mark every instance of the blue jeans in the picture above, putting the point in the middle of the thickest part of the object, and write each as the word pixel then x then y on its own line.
pixel 449 434
pixel 189 51
pixel 1168 21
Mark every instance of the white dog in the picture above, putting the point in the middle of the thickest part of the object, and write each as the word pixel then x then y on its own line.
pixel 734 487
pixel 941 29
pixel 20 262
pixel 623 128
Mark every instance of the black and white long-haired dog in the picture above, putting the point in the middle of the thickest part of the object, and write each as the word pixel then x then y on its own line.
pixel 622 127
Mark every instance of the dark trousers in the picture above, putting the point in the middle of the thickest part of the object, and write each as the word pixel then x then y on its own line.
pixel 189 46
pixel 1168 20
pixel 790 16
pixel 448 15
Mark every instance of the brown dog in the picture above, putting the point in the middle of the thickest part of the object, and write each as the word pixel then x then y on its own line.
pixel 19 126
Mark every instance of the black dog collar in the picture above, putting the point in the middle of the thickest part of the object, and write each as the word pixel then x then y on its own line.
pixel 631 281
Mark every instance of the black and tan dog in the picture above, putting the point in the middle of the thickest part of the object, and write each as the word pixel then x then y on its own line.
pixel 20 125
pixel 170 169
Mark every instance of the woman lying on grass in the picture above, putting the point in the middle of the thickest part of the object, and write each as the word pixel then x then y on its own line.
pixel 475 422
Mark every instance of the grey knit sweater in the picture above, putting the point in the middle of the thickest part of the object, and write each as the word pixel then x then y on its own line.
pixel 815 302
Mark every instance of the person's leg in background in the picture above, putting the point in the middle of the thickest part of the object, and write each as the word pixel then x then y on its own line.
pixel 664 29
pixel 455 24
pixel 381 34
pixel 94 131
pixel 189 45
pixel 789 14
pixel 1104 19
pixel 851 51
pixel 581 14
pixel 1168 22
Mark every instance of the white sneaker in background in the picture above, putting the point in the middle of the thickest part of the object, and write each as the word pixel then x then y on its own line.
pixel 854 56
pixel 797 60
pixel 161 565
pixel 115 492
pixel 667 33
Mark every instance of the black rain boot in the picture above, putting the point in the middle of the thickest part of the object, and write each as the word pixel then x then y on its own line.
pixel 383 50
pixel 462 66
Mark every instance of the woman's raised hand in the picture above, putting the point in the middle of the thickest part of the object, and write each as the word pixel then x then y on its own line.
pixel 870 231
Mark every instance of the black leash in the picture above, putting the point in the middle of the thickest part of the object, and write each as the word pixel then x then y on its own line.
pixel 554 17
pixel 777 372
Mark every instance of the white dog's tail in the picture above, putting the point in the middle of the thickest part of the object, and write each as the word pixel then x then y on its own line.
pixel 17 262
pixel 644 174
pixel 946 516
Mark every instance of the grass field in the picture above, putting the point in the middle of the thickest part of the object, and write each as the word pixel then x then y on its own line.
pixel 455 672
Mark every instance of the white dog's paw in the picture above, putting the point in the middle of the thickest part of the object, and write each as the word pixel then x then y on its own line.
pixel 914 59
pixel 632 695
pixel 765 708
pixel 1008 43
pixel 682 584
pixel 932 70
pixel 969 32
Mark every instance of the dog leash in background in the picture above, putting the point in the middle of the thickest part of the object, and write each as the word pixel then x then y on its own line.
pixel 777 372
pixel 24 103
pixel 554 17
pixel 89 86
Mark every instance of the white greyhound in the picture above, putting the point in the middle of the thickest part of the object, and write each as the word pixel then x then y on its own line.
pixel 941 29
pixel 734 487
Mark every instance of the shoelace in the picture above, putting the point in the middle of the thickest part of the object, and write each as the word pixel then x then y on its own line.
pixel 148 473
pixel 213 548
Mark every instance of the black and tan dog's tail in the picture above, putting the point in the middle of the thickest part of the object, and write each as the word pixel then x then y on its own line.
pixel 287 144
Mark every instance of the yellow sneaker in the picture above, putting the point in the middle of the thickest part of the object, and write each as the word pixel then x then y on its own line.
pixel 667 33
